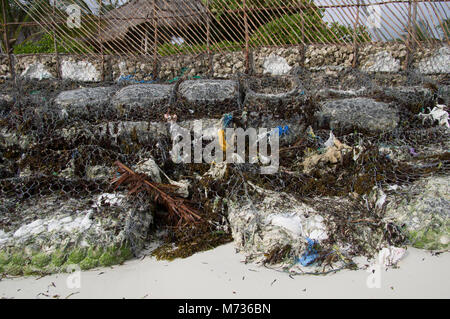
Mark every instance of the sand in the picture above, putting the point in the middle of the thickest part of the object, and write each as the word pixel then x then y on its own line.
pixel 220 273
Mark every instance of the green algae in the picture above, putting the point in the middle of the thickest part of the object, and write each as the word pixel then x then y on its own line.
pixel 41 260
pixel 58 258
pixel 39 263
pixel 76 256
pixel 88 263
pixel 4 258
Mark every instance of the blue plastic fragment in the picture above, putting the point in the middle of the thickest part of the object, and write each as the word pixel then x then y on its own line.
pixel 283 130
pixel 310 255
pixel 227 119
pixel 130 78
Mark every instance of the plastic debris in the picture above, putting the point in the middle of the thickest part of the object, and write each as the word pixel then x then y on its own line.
pixel 439 114
pixel 182 71
pixel 291 222
pixel 330 141
pixel 390 256
pixel 412 151
pixel 226 120
pixel 222 139
pixel 177 40
pixel 217 170
pixel 276 65
pixel 310 132
pixel 130 78
pixel 283 130
pixel 150 168
pixel 311 254
pixel 332 154
pixel 381 200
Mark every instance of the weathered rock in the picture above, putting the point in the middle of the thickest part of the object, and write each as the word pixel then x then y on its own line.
pixel 381 62
pixel 268 93
pixel 83 101
pixel 130 131
pixel 141 100
pixel 80 71
pixel 209 91
pixel 424 209
pixel 411 95
pixel 36 71
pixel 326 93
pixel 360 113
pixel 105 223
pixel 438 63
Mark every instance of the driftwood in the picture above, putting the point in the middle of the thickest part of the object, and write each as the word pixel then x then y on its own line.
pixel 178 208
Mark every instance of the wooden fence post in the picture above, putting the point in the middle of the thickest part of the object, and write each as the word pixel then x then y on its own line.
pixel 247 64
pixel 208 40
pixel 155 41
pixel 55 48
pixel 408 37
pixel 6 40
pixel 355 41
pixel 101 43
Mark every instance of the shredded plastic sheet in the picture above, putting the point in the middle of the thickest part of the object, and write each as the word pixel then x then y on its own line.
pixel 276 65
pixel 438 114
pixel 310 255
pixel 390 256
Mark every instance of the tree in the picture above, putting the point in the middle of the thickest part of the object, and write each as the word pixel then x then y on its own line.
pixel 14 13
pixel 306 26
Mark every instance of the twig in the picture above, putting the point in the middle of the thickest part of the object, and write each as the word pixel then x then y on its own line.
pixel 174 204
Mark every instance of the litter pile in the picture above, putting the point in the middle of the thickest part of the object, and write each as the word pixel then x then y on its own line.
pixel 99 183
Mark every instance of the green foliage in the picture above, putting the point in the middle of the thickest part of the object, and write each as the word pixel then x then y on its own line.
pixel 88 263
pixel 41 260
pixel 18 259
pixel 58 258
pixel 288 30
pixel 4 258
pixel 76 256
pixel 46 45
pixel 108 259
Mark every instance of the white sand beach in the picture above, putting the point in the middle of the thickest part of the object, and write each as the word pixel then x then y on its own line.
pixel 220 273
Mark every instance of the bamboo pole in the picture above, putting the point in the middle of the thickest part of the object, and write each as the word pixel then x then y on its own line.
pixel 208 39
pixel 155 41
pixel 55 48
pixel 409 36
pixel 6 40
pixel 101 43
pixel 247 64
pixel 355 42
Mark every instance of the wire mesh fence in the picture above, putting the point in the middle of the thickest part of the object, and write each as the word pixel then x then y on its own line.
pixel 167 27
pixel 60 159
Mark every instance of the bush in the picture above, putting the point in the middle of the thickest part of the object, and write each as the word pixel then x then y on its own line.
pixel 46 45
pixel 287 30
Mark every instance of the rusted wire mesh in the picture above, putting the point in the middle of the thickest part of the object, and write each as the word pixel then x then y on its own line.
pixel 164 27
